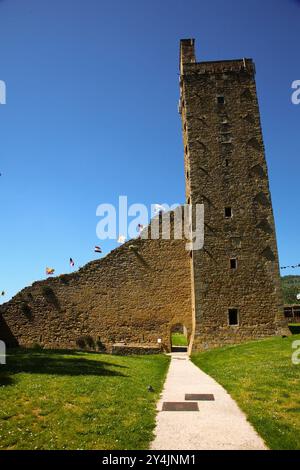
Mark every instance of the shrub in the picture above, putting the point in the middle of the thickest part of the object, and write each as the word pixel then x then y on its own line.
pixel 37 346
pixel 100 345
pixel 80 342
pixel 86 342
pixel 90 342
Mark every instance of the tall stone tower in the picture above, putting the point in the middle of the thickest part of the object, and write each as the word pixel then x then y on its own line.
pixel 235 277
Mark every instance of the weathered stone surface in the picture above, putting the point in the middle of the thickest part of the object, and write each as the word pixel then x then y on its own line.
pixel 141 290
pixel 225 167
pixel 130 296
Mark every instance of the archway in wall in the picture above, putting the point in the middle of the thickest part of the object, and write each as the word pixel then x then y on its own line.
pixel 179 338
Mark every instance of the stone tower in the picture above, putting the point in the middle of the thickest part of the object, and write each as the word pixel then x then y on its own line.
pixel 235 277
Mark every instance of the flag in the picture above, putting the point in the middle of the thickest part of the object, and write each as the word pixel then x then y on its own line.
pixel 121 239
pixel 50 271
pixel 98 249
pixel 293 266
pixel 71 262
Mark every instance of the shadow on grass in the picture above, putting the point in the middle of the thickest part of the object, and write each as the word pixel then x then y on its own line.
pixel 54 363
pixel 5 380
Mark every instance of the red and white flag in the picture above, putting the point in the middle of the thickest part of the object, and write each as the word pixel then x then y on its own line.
pixel 98 249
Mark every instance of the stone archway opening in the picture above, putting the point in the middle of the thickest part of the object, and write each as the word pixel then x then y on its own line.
pixel 179 338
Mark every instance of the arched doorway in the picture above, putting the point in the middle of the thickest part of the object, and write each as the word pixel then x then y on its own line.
pixel 179 338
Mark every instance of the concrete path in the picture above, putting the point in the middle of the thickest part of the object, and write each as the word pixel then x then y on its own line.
pixel 218 424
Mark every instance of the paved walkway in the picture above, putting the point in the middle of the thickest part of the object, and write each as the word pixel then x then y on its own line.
pixel 218 424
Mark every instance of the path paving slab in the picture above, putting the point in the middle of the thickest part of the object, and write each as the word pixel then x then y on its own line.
pixel 179 406
pixel 199 396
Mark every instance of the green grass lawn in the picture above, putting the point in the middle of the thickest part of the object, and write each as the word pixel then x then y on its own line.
pixel 262 379
pixel 179 339
pixel 78 400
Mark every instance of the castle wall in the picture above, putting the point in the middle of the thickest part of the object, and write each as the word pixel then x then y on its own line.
pixel 225 167
pixel 131 295
pixel 140 290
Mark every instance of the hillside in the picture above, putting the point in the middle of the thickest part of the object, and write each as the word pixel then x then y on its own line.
pixel 290 287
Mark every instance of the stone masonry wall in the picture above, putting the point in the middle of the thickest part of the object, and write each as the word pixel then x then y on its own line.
pixel 138 292
pixel 225 167
pixel 134 295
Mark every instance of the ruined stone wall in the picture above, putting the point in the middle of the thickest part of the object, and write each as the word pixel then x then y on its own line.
pixel 139 291
pixel 225 167
pixel 134 295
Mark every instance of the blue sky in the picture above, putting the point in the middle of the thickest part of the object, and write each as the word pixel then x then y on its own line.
pixel 91 114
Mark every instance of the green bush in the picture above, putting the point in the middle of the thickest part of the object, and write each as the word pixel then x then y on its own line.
pixel 37 346
pixel 100 345
pixel 85 342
